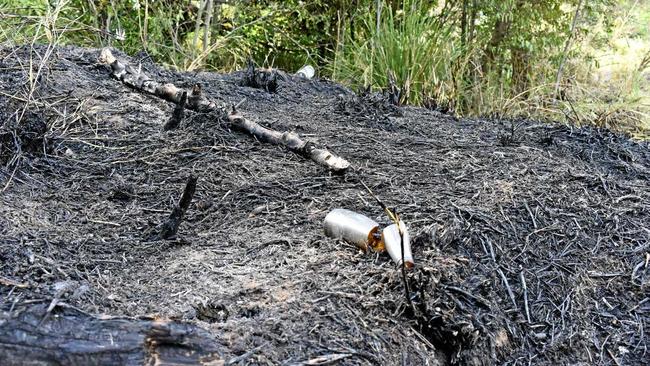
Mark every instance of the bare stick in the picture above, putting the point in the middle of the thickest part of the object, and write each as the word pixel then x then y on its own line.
pixel 198 102
pixel 246 355
pixel 289 140
pixel 505 282
pixel 390 213
pixel 239 104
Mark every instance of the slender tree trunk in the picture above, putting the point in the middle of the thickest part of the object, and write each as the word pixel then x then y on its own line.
pixel 351 14
pixel 520 62
pixel 378 15
pixel 208 19
pixel 472 22
pixel 574 23
pixel 463 25
pixel 197 26
pixel 499 33
pixel 145 24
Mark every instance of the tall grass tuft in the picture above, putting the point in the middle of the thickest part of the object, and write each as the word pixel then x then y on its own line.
pixel 409 42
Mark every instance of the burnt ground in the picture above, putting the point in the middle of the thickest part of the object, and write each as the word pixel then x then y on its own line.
pixel 531 243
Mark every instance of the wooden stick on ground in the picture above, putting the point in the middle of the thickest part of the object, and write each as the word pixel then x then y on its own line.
pixel 198 102
pixel 290 140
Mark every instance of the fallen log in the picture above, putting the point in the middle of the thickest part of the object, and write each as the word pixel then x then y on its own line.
pixel 68 336
pixel 136 79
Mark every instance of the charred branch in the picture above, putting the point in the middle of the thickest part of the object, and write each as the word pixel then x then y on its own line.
pixel 67 336
pixel 170 227
pixel 177 115
pixel 260 78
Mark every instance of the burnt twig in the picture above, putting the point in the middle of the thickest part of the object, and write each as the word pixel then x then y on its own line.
pixel 178 114
pixel 170 227
pixel 395 218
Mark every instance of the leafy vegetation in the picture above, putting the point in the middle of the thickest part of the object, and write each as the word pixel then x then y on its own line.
pixel 569 60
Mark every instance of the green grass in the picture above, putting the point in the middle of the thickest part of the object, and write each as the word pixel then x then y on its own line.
pixel 409 43
pixel 615 92
pixel 602 83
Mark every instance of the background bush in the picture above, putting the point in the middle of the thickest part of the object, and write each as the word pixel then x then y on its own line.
pixel 581 61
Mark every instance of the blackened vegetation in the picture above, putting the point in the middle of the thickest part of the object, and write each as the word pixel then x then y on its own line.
pixel 21 132
pixel 438 104
pixel 259 78
pixel 370 109
pixel 394 92
pixel 509 136
pixel 211 312
pixel 178 114
pixel 531 244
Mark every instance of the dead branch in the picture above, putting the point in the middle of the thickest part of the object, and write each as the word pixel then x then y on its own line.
pixel 136 79
pixel 260 78
pixel 198 102
pixel 289 140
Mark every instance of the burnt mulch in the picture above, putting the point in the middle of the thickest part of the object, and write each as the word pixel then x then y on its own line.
pixel 531 240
